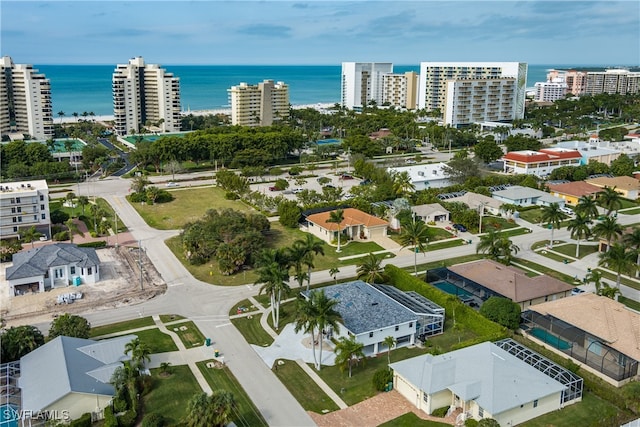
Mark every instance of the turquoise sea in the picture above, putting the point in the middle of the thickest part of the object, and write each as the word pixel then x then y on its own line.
pixel 79 88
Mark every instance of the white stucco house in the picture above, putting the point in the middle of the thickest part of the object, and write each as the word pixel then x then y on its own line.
pixel 525 196
pixel 52 266
pixel 423 176
pixel 487 381
pixel 356 225
pixel 370 313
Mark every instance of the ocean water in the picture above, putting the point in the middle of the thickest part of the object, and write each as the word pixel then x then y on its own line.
pixel 79 88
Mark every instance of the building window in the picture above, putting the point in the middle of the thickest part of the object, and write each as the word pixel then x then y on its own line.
pixel 44 216
pixel 397 328
pixel 19 209
pixel 41 207
pixel 17 199
pixel 35 217
pixel 19 219
pixel 13 210
pixel 41 198
pixel 411 324
pixel 72 269
pixel 370 334
pixel 15 229
pixel 535 403
pixel 425 397
pixel 480 412
pixel 89 271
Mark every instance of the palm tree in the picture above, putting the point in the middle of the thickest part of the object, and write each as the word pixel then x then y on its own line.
pixel 336 217
pixel 608 229
pixel 370 269
pixel 312 247
pixel 632 240
pixel 140 352
pixel 83 201
pixel 326 318
pixel 306 319
pixel 296 254
pixel 333 271
pixel 402 184
pixel 348 350
pixel 274 276
pixel 165 367
pixel 610 199
pixel 415 234
pixel 75 115
pixel 61 115
pixel 620 260
pixel 587 206
pixel 390 342
pixel 73 229
pixel 30 235
pixel 488 244
pixel 579 228
pixel 215 410
pixel 553 215
pixel 507 249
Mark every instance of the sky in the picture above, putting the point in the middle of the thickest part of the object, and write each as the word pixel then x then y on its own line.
pixel 318 32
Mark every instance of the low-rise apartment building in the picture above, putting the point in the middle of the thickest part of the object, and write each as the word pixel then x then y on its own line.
pixel 22 205
pixel 540 163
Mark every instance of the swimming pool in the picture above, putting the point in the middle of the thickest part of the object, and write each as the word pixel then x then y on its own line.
pixel 328 141
pixel 452 289
pixel 550 339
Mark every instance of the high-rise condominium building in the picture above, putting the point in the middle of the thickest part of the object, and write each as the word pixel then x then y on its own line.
pixel 25 101
pixel 400 90
pixel 24 205
pixel 612 81
pixel 434 77
pixel 479 100
pixel 576 80
pixel 259 105
pixel 145 95
pixel 550 90
pixel 363 82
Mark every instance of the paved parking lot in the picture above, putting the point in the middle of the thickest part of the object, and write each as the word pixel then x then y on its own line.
pixel 309 184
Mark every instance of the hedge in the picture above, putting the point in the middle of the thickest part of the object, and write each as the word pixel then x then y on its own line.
pixel 109 419
pixel 83 421
pixel 465 315
pixel 96 244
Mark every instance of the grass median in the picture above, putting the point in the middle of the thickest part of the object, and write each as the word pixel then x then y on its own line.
pixel 303 388
pixel 113 328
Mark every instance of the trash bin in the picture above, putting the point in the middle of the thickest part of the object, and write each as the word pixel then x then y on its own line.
pixel 390 385
pixel 207 342
pixel 566 261
pixel 216 353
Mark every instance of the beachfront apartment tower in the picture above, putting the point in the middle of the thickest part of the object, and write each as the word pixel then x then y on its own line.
pixel 435 76
pixel 550 91
pixel 576 80
pixel 612 81
pixel 259 105
pixel 400 90
pixel 363 82
pixel 145 95
pixel 479 100
pixel 25 101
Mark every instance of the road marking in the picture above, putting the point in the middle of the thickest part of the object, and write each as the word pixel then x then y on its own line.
pixel 224 324
pixel 176 284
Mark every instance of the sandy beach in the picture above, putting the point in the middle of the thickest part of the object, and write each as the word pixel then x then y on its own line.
pixel 107 118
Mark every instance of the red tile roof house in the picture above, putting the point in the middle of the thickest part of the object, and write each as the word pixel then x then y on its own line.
pixel 572 191
pixel 540 163
pixel 357 225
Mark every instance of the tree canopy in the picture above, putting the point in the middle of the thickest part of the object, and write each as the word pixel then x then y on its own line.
pixel 70 325
pixel 502 311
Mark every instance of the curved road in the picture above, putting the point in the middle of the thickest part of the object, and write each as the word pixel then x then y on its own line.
pixel 208 305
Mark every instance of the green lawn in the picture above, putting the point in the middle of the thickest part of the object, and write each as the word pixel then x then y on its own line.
pixel 169 396
pixel 166 318
pixel 287 315
pixel 242 307
pixel 497 223
pixel 247 415
pixel 359 387
pixel 514 232
pixel 634 211
pixel 635 305
pixel 252 331
pixel 570 249
pixel 623 279
pixel 444 263
pixel 545 270
pixel 411 420
pixel 173 215
pixel 113 328
pixel 451 336
pixel 102 203
pixel 158 342
pixel 555 257
pixel 444 244
pixel 191 336
pixel 303 388
pixel 531 215
pixel 435 234
pixel 591 412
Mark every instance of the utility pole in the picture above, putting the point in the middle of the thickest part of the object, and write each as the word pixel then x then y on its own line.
pixel 481 215
pixel 140 263
pixel 115 220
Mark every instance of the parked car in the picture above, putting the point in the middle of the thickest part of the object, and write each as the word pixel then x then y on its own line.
pixel 173 184
pixel 566 210
pixel 577 291
pixel 274 188
pixel 296 190
pixel 346 176
pixel 460 227
pixel 410 161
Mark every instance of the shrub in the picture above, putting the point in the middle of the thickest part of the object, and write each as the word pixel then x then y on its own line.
pixel 470 422
pixel 97 244
pixel 83 421
pixel 289 213
pixel 61 236
pixel 109 419
pixel 295 170
pixel 58 216
pixel 488 422
pixel 128 419
pixel 381 378
pixel 120 405
pixel 440 412
pixel 281 184
pixel 153 420
pixel 164 197
pixel 230 195
pixel 275 171
pixel 502 311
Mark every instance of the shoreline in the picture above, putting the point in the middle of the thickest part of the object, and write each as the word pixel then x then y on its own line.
pixel 107 118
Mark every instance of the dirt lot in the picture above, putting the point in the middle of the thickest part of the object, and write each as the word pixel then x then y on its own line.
pixel 119 285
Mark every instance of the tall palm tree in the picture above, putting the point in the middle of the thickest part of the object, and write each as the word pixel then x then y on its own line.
pixel 553 215
pixel 620 260
pixel 587 206
pixel 83 201
pixel 312 247
pixel 140 352
pixel 73 229
pixel 215 410
pixel 274 277
pixel 390 342
pixel 632 240
pixel 326 318
pixel 608 229
pixel 579 228
pixel 336 217
pixel 306 320
pixel 30 235
pixel 610 199
pixel 61 115
pixel 488 244
pixel 370 269
pixel 333 271
pixel 507 249
pixel 348 351
pixel 402 184
pixel 75 115
pixel 415 234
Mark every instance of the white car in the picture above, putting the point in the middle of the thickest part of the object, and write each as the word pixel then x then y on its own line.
pixel 410 162
pixel 172 184
pixel 566 210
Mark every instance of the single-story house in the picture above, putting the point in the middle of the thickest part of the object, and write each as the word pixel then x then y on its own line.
pixel 571 192
pixel 627 186
pixel 481 381
pixel 423 176
pixel 540 163
pixel 370 313
pixel 52 266
pixel 600 334
pixel 432 212
pixel 475 200
pixel 71 374
pixel 525 196
pixel 486 278
pixel 356 225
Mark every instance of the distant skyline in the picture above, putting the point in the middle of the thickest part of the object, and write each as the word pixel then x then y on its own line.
pixel 320 32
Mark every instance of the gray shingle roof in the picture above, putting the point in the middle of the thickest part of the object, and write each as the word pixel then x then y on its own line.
pixel 364 308
pixel 495 379
pixel 65 365
pixel 36 262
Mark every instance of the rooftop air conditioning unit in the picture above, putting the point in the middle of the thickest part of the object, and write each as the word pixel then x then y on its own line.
pixel 421 173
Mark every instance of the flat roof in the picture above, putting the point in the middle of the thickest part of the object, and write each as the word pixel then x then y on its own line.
pixel 23 186
pixel 422 172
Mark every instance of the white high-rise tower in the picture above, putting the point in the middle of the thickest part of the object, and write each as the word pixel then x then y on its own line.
pixel 363 82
